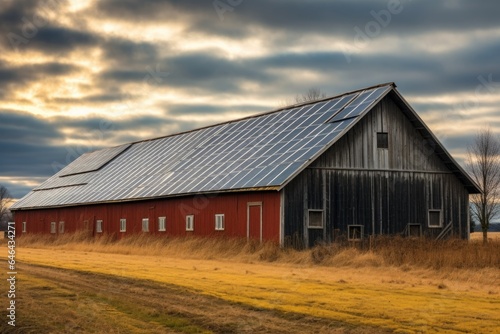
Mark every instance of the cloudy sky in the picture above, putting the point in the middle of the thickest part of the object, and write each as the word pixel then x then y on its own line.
pixel 76 76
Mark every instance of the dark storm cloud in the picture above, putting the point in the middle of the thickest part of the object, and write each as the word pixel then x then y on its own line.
pixel 123 75
pixel 31 159
pixel 442 73
pixel 198 109
pixel 17 190
pixel 482 56
pixel 199 66
pixel 97 122
pixel 28 144
pixel 457 142
pixel 310 17
pixel 127 52
pixel 13 77
pixel 197 71
pixel 91 99
pixel 19 126
pixel 13 11
pixel 25 25
pixel 142 10
pixel 51 40
pixel 22 73
pixel 54 39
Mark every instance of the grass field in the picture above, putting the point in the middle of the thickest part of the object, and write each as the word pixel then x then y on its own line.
pixel 479 236
pixel 113 288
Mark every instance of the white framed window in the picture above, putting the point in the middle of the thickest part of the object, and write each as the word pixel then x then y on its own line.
pixel 315 219
pixel 162 224
pixel 53 227
pixel 354 232
pixel 24 227
pixel 219 222
pixel 123 225
pixel 145 224
pixel 435 219
pixel 61 227
pixel 98 226
pixel 190 223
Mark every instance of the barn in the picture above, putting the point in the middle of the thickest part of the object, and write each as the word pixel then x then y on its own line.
pixel 347 167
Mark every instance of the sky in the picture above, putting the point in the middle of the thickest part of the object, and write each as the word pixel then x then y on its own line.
pixel 77 76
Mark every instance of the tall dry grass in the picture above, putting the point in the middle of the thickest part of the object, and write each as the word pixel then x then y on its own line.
pixel 380 251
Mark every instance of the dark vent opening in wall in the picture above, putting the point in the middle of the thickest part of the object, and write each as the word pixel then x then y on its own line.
pixel 414 230
pixel 382 140
pixel 315 219
pixel 355 232
pixel 435 218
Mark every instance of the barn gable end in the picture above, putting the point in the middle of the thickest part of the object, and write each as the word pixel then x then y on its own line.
pixel 384 176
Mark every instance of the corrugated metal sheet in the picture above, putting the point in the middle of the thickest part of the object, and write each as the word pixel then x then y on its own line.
pixel 261 151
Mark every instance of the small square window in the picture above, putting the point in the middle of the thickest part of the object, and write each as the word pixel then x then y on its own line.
pixel 190 223
pixel 123 225
pixel 145 224
pixel 435 219
pixel 219 222
pixel 355 232
pixel 414 230
pixel 98 226
pixel 61 227
pixel 53 227
pixel 24 227
pixel 382 140
pixel 315 219
pixel 162 224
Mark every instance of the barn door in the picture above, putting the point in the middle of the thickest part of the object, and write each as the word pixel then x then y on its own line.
pixel 254 220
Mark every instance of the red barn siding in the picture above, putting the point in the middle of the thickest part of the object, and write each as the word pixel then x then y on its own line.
pixel 204 208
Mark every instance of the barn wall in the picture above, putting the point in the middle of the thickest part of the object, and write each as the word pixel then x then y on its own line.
pixel 204 208
pixel 384 190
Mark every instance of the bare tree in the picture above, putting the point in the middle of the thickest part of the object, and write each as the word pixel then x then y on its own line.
pixel 312 94
pixel 483 163
pixel 5 200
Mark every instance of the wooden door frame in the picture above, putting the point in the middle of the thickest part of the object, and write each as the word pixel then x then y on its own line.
pixel 249 204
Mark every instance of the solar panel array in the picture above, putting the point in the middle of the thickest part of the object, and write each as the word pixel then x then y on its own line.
pixel 93 161
pixel 261 151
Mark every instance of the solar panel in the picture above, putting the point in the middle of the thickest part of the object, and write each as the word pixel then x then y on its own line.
pixel 93 161
pixel 262 151
pixel 360 103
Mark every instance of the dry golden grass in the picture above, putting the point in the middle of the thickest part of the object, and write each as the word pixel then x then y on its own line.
pixel 361 292
pixel 382 251
pixel 404 285
pixel 478 236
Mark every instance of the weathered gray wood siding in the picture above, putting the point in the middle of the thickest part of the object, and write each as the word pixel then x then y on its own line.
pixel 356 183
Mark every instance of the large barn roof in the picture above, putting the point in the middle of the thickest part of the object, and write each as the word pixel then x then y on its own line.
pixel 260 152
